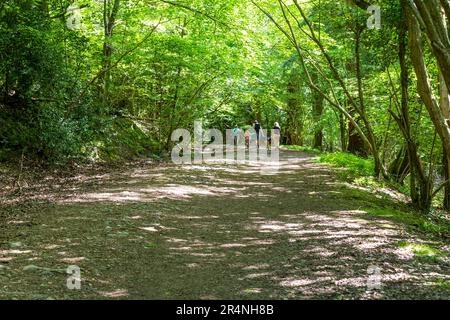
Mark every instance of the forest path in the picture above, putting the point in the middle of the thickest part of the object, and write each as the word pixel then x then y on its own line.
pixel 215 232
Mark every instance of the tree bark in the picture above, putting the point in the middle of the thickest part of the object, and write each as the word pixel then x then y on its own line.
pixel 318 101
pixel 294 123
pixel 445 107
pixel 343 132
pixel 109 21
pixel 428 14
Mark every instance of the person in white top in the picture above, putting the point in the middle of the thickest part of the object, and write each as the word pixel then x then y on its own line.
pixel 276 135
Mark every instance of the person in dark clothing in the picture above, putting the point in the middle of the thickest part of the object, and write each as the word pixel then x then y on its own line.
pixel 257 128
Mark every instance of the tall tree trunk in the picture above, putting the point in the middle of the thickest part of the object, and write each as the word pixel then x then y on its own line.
pixel 422 196
pixel 343 132
pixel 174 103
pixel 362 107
pixel 417 16
pixel 445 107
pixel 110 11
pixel 429 15
pixel 356 145
pixel 318 101
pixel 380 170
pixel 294 133
pixel 423 80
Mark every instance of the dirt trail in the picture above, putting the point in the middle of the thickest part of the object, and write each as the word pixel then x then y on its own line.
pixel 215 232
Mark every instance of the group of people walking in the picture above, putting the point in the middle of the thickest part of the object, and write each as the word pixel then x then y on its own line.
pixel 256 136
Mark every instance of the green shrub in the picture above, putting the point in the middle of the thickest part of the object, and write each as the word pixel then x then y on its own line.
pixel 125 140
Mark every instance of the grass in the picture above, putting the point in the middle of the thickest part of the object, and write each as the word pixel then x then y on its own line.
pixel 443 284
pixel 427 253
pixel 418 221
pixel 399 213
pixel 304 149
pixel 353 166
pixel 421 249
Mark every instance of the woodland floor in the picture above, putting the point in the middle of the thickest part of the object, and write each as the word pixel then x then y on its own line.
pixel 211 232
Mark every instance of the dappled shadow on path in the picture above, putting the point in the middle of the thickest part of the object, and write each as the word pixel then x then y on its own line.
pixel 216 232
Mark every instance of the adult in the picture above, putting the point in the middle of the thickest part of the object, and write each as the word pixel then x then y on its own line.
pixel 276 135
pixel 257 127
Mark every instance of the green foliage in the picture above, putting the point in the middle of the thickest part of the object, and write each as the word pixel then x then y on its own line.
pixel 444 284
pixel 126 139
pixel 421 249
pixel 303 149
pixel 353 166
pixel 413 219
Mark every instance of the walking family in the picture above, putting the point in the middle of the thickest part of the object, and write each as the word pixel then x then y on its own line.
pixel 257 136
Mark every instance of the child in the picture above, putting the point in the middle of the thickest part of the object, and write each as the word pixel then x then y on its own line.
pixel 236 132
pixel 247 139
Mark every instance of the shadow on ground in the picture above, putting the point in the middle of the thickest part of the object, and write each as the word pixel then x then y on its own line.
pixel 213 232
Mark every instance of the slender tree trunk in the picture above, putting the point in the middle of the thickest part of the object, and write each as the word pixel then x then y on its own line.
pixel 356 144
pixel 343 132
pixel 176 93
pixel 294 123
pixel 110 12
pixel 317 116
pixel 400 167
pixel 423 198
pixel 370 134
pixel 368 139
pixel 423 80
pixel 437 114
pixel 445 107
pixel 428 14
